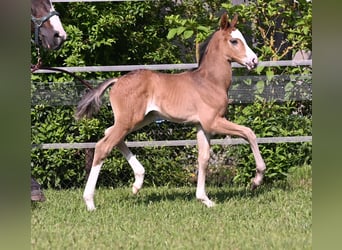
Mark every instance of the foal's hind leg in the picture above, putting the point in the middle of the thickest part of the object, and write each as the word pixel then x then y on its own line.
pixel 203 160
pixel 113 136
pixel 138 169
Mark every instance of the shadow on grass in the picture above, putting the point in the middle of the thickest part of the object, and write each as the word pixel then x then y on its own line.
pixel 218 195
pixel 299 177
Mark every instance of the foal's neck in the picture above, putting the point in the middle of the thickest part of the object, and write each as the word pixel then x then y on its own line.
pixel 217 70
pixel 214 67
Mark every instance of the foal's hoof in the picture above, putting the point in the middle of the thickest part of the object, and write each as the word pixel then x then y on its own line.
pixel 253 186
pixel 90 204
pixel 208 203
pixel 37 195
pixel 135 190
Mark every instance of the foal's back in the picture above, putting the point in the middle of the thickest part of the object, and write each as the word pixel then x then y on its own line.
pixel 179 97
pixel 142 91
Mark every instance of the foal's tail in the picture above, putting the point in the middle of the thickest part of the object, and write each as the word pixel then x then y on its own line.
pixel 91 101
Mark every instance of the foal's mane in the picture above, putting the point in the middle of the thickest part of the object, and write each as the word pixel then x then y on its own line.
pixel 203 48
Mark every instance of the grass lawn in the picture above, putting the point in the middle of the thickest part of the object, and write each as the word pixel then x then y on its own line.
pixel 272 217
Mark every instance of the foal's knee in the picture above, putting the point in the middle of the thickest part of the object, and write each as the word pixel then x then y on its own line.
pixel 249 134
pixel 203 158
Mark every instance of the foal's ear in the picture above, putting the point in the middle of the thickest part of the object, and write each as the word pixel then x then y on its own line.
pixel 224 23
pixel 234 21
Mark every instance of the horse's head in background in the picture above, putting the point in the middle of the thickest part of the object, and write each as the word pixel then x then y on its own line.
pixel 47 26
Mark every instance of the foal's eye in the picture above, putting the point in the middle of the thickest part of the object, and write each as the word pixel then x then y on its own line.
pixel 234 41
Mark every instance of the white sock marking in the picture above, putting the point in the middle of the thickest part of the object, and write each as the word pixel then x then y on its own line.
pixel 89 191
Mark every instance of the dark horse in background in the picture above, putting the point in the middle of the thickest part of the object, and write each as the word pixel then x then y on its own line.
pixel 48 33
pixel 46 25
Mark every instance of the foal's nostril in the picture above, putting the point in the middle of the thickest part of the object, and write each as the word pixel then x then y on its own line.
pixel 255 60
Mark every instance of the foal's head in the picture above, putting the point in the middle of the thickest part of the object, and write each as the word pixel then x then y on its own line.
pixel 234 45
pixel 46 24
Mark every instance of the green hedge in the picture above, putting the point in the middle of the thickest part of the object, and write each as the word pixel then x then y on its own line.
pixel 269 119
pixel 170 165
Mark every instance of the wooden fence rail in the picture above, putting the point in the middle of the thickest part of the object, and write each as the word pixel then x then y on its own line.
pixel 181 66
pixel 177 143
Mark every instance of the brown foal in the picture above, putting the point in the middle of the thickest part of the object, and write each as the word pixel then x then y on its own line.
pixel 199 97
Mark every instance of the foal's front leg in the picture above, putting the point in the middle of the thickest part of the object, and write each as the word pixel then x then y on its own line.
pixel 203 160
pixel 223 126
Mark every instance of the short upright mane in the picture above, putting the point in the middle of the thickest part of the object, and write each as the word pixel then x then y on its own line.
pixel 203 48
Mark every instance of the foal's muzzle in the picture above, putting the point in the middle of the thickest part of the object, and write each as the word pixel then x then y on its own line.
pixel 252 64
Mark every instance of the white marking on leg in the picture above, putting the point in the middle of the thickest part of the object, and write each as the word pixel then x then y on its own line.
pixel 89 191
pixel 203 160
pixel 107 130
pixel 138 169
pixel 139 173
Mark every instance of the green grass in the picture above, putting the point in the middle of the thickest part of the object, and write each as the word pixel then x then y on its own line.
pixel 272 217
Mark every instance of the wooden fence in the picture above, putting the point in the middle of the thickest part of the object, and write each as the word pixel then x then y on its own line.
pixel 181 66
pixel 175 143
pixel 226 141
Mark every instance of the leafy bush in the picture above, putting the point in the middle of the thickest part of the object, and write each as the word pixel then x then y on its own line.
pixel 170 165
pixel 270 119
pixel 53 167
